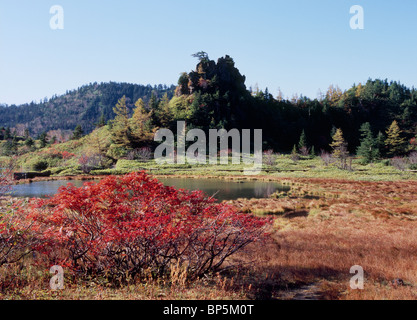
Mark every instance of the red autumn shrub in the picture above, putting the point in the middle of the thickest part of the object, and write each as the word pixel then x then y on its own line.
pixel 67 155
pixel 122 226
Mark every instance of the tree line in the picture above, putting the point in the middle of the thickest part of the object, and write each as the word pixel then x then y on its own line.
pixel 376 119
pixel 373 120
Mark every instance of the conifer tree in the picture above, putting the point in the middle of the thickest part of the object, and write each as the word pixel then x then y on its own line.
pixel 26 134
pixel 7 134
pixel 367 149
pixel 394 141
pixel 120 129
pixel 29 142
pixel 165 114
pixel 294 154
pixel 380 145
pixel 303 141
pixel 333 131
pixel 313 151
pixel 43 139
pixel 339 147
pixel 77 133
pixel 101 121
pixel 153 102
pixel 141 124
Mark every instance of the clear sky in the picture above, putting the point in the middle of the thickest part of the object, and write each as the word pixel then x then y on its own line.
pixel 300 46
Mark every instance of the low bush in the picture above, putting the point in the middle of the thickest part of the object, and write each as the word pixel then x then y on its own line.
pixel 70 171
pixel 56 171
pixel 38 164
pixel 142 154
pixel 399 163
pixel 89 163
pixel 412 159
pixel 129 165
pixel 109 172
pixel 269 158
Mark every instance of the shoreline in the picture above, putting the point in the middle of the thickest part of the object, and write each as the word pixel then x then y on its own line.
pixel 237 178
pixel 157 176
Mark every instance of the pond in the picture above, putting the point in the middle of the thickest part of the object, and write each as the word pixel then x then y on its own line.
pixel 221 189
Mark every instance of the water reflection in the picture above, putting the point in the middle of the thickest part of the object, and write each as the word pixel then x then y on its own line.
pixel 42 189
pixel 227 190
pixel 220 189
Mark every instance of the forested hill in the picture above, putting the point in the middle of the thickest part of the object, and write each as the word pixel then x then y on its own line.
pixel 83 106
pixel 214 95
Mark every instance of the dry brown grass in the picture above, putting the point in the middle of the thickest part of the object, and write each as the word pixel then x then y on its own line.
pixel 28 282
pixel 352 223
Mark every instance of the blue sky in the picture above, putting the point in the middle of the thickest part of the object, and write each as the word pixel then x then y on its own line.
pixel 300 46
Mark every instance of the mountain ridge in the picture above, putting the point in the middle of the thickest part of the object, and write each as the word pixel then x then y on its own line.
pixel 82 106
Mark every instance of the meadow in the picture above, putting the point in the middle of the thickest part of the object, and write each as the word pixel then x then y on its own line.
pixel 331 220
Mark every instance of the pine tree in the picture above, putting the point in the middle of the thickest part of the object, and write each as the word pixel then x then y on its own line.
pixel 43 139
pixel 120 125
pixel 29 142
pixel 78 133
pixel 313 151
pixel 303 141
pixel 367 149
pixel 334 94
pixel 380 145
pixel 267 95
pixel 294 154
pixel 339 147
pixel 413 143
pixel 333 131
pixel 98 146
pixel 394 141
pixel 165 114
pixel 101 121
pixel 141 125
pixel 153 102
pixel 338 143
pixel 7 134
pixel 26 134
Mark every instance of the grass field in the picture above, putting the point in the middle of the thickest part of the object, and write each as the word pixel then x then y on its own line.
pixel 284 167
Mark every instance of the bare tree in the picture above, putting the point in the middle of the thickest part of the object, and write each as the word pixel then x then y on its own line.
pixel 412 158
pixel 326 157
pixel 305 151
pixel 269 158
pixel 89 163
pixel 143 154
pixel 6 177
pixel 399 163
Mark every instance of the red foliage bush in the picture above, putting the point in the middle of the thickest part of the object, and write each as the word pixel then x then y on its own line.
pixel 122 226
pixel 67 155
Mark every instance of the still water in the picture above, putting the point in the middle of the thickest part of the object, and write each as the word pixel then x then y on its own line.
pixel 220 189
